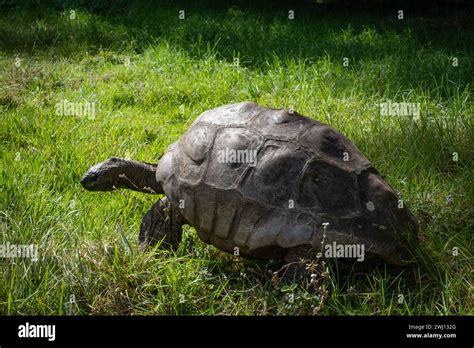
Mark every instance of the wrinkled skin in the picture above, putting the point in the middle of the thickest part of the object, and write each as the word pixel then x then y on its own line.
pixel 162 223
pixel 116 173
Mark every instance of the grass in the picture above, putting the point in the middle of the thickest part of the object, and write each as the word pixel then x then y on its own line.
pixel 89 262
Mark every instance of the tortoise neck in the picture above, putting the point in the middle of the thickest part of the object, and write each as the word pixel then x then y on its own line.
pixel 138 176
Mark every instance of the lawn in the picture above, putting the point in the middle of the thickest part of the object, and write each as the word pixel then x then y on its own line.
pixel 150 70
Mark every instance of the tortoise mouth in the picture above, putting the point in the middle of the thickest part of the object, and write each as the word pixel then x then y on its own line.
pixel 87 181
pixel 91 182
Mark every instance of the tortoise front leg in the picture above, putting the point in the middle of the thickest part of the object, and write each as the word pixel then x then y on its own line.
pixel 297 260
pixel 161 223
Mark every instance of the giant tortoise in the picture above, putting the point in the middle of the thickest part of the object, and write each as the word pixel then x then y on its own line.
pixel 264 183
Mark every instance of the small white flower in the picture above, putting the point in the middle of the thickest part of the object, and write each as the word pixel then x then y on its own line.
pixel 449 199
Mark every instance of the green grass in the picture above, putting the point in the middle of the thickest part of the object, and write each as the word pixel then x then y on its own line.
pixel 180 68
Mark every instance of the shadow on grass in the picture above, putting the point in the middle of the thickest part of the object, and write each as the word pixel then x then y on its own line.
pixel 401 54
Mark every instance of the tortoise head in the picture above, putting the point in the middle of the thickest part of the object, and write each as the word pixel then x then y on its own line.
pixel 104 176
pixel 117 173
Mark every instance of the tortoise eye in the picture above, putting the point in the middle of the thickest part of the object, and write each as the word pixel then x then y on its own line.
pixel 93 178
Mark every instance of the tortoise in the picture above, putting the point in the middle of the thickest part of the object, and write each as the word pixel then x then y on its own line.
pixel 265 183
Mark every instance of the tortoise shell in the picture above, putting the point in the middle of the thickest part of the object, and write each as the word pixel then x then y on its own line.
pixel 262 181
